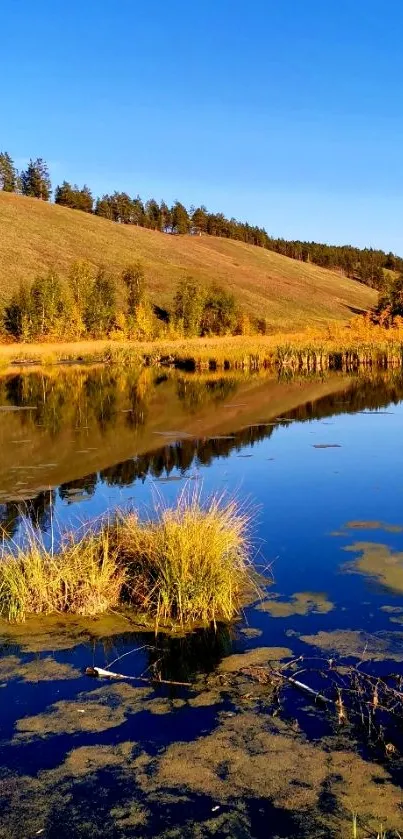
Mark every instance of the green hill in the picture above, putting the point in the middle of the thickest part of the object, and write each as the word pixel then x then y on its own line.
pixel 35 235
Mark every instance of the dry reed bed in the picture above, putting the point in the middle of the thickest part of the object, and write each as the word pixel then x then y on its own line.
pixel 185 564
pixel 338 347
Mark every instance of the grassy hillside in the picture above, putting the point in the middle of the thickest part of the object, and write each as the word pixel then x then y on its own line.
pixel 35 235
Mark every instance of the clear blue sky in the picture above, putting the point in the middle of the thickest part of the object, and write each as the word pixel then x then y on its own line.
pixel 285 113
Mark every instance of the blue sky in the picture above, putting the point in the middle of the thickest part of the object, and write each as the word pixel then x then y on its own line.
pixel 285 113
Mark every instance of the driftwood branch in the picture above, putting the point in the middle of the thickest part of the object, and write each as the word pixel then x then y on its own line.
pixel 99 672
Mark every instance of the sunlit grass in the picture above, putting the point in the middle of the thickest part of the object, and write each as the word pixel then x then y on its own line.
pixel 83 577
pixel 359 343
pixel 186 564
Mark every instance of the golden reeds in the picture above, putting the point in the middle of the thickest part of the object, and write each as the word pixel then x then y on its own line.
pixel 184 564
pixel 189 563
pixel 337 346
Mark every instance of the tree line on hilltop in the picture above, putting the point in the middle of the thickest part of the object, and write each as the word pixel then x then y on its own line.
pixel 98 304
pixel 366 265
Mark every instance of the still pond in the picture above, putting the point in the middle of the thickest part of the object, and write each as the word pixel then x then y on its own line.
pixel 319 461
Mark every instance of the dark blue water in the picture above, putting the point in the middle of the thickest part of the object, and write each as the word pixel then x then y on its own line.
pixel 306 477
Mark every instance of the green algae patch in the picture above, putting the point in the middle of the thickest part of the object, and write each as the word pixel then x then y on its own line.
pixel 373 525
pixel 95 711
pixel 377 562
pixel 348 643
pixel 261 655
pixel 206 698
pixel 301 603
pixel 85 760
pixel 51 633
pixel 395 613
pixel 130 816
pixel 250 756
pixel 39 670
pixel 251 632
pixel 32 805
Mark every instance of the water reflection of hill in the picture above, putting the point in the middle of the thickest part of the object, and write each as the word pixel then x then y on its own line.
pixel 81 428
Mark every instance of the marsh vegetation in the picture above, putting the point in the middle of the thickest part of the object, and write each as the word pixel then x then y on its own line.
pixel 188 564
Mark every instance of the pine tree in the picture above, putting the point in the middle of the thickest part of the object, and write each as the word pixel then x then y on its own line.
pixel 64 195
pixel 199 219
pixel 180 219
pixel 86 201
pixel 73 197
pixel 153 214
pixel 166 217
pixel 138 212
pixel 8 174
pixel 104 208
pixel 36 180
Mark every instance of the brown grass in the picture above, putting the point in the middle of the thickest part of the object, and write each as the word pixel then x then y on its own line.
pixel 290 294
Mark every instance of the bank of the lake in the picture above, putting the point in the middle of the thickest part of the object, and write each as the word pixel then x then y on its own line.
pixel 337 346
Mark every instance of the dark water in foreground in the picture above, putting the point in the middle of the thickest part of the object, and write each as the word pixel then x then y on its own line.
pixel 321 462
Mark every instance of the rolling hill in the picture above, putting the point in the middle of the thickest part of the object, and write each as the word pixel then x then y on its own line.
pixel 35 235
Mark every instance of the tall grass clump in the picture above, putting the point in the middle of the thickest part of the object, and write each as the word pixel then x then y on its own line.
pixel 84 577
pixel 188 563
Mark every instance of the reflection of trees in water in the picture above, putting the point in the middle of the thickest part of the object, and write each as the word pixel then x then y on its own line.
pixel 364 393
pixel 43 393
pixel 195 393
pixel 182 455
pixel 79 398
pixel 37 510
pixel 76 399
pixel 121 474
pixel 86 484
pixel 139 386
pixel 101 395
pixel 9 519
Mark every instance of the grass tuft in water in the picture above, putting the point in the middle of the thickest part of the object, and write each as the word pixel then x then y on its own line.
pixel 188 563
pixel 84 577
pixel 185 564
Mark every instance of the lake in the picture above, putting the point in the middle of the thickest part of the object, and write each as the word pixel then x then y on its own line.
pixel 319 463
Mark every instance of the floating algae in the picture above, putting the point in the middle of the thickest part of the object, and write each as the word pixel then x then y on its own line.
pixel 301 603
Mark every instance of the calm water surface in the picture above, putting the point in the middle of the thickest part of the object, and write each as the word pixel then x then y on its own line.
pixel 321 464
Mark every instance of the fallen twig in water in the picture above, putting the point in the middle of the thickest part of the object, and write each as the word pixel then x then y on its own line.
pixel 314 694
pixel 99 672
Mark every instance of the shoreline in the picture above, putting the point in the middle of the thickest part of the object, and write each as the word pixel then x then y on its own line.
pixel 337 348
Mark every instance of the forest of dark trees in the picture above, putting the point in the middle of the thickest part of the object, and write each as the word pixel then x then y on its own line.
pixel 366 265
